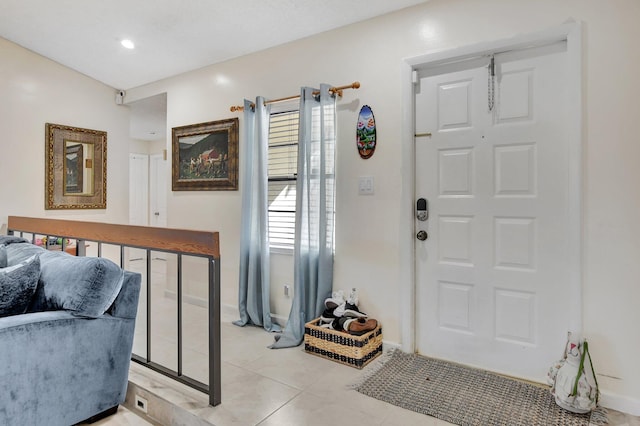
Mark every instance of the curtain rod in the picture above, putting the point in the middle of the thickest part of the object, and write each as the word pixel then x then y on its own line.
pixel 333 90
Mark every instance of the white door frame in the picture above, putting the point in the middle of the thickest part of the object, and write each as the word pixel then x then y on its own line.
pixel 153 188
pixel 572 33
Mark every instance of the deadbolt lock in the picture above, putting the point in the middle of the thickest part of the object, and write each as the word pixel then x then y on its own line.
pixel 422 212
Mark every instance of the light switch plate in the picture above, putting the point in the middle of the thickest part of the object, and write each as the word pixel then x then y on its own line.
pixel 365 185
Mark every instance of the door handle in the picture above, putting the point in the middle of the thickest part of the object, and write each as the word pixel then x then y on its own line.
pixel 422 235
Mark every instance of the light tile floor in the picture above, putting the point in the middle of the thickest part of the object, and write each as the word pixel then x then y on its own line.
pixel 281 387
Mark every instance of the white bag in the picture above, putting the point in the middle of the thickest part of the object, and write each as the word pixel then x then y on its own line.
pixel 573 380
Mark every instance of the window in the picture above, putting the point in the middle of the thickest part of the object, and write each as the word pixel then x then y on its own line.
pixel 283 167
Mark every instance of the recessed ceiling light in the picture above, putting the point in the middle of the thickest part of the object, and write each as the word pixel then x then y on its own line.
pixel 128 44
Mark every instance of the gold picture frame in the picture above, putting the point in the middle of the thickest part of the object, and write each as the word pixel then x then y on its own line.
pixel 75 168
pixel 205 156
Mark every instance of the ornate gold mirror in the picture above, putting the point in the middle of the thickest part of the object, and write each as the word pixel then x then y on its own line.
pixel 76 168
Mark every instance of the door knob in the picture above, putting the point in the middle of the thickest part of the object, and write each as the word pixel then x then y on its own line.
pixel 422 235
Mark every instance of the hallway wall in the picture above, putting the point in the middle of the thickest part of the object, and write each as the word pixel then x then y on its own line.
pixel 35 91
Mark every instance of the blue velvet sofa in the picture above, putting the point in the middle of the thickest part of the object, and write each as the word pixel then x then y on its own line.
pixel 66 333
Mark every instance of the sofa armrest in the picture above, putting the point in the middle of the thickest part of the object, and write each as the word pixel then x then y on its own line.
pixel 126 303
pixel 64 368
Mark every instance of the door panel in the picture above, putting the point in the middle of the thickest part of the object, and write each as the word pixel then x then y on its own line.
pixel 454 104
pixel 455 168
pixel 515 170
pixel 491 278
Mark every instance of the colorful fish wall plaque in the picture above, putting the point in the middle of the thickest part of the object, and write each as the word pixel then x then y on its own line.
pixel 366 132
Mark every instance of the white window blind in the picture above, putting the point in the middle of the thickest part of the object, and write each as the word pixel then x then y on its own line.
pixel 283 167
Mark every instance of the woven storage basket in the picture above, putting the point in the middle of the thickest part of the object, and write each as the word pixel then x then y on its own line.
pixel 355 351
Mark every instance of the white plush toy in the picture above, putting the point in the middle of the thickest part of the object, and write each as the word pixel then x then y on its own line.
pixel 572 378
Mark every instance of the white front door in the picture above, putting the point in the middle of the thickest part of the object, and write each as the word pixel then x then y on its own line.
pixel 492 282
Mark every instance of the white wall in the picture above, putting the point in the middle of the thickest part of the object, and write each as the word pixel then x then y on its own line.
pixel 36 91
pixel 156 147
pixel 137 146
pixel 367 235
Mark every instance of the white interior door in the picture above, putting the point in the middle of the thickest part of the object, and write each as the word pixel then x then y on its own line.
pixel 158 191
pixel 138 189
pixel 492 287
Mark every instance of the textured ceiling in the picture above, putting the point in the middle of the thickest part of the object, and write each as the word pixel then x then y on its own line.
pixel 171 36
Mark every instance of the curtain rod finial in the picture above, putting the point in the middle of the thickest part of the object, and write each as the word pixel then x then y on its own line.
pixel 356 85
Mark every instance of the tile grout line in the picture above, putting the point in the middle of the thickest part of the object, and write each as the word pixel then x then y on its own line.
pixel 281 407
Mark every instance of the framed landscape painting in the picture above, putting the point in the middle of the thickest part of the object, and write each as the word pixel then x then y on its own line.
pixel 205 156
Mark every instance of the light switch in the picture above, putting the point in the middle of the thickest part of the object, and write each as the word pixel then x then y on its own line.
pixel 365 185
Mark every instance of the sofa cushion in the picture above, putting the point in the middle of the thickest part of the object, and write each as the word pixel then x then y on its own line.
pixel 3 257
pixel 85 285
pixel 9 239
pixel 18 251
pixel 17 286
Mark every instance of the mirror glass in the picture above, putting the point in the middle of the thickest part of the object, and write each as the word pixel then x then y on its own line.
pixel 76 168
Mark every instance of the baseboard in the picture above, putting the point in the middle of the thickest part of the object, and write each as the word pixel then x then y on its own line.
pixel 621 403
pixel 192 300
pixel 231 310
pixel 281 320
pixel 388 346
